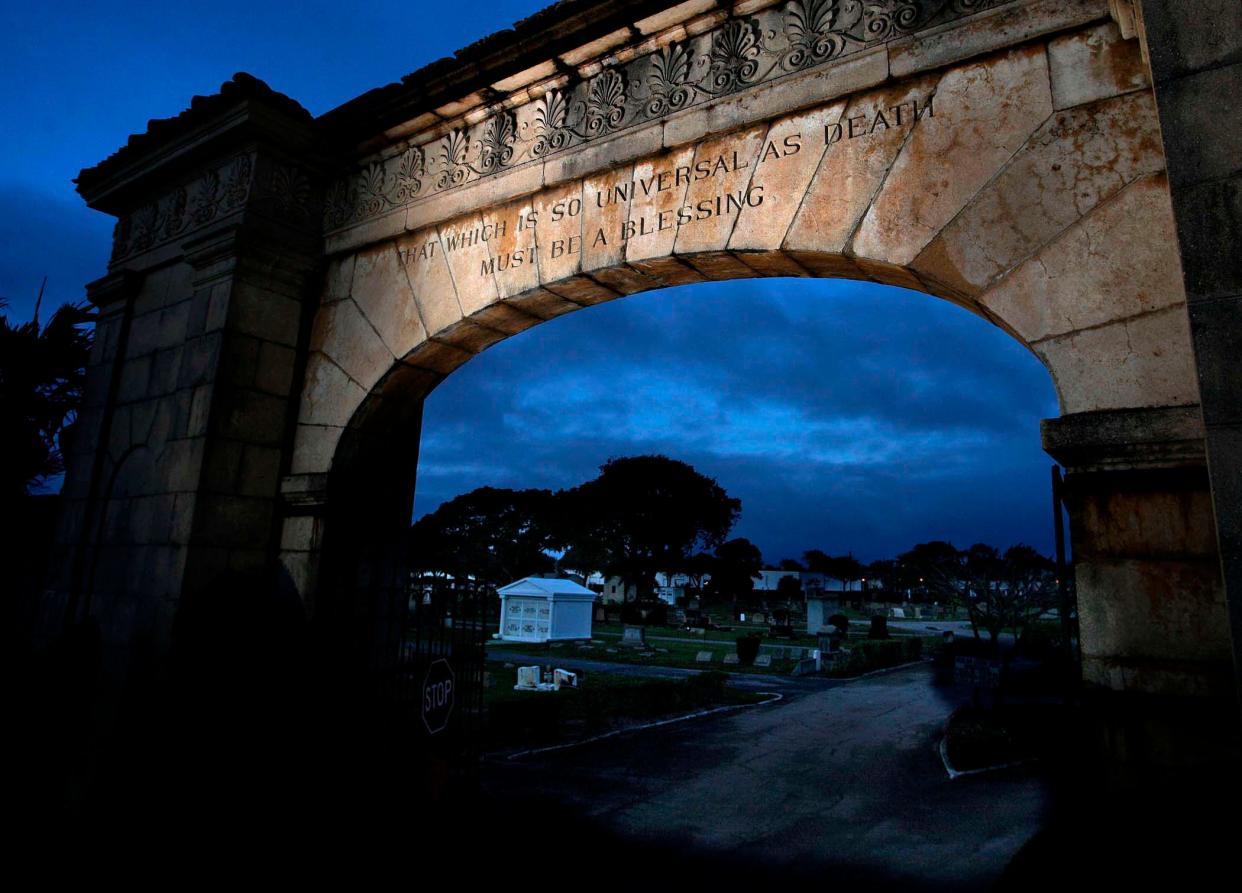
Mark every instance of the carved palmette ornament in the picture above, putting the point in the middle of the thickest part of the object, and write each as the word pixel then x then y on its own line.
pixel 551 114
pixel 212 193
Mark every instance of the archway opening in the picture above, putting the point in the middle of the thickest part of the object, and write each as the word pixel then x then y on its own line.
pixel 850 418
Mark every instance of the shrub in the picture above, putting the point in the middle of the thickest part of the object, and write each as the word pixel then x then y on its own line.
pixel 748 648
pixel 841 622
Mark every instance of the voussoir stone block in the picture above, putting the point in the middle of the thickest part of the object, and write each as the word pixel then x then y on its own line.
pixel 1141 361
pixel 788 158
pixel 1117 262
pixel 983 113
pixel 1078 159
pixel 382 292
pixel 345 336
pixel 431 281
pixel 464 245
pixel 853 163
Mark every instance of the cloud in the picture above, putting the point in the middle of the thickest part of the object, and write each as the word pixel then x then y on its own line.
pixel 847 416
pixel 44 235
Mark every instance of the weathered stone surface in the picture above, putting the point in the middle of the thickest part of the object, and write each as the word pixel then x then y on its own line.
pixel 1216 326
pixel 542 303
pixel 329 396
pixel 464 245
pixel 558 234
pixel 314 446
pixel 513 252
pixel 772 263
pixel 650 202
pixel 1078 159
pixel 1192 106
pixel 582 290
pixel 719 265
pixel 606 206
pixel 431 282
pixel 1094 64
pixel 852 169
pixel 1183 39
pixel 1076 283
pixel 382 292
pixel 787 161
pixel 983 113
pixel 718 187
pixel 345 336
pixel 1005 27
pixel 1141 361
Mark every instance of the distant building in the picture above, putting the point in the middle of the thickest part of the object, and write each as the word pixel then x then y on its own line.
pixel 538 609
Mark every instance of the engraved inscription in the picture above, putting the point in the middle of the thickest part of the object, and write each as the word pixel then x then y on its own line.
pixel 642 195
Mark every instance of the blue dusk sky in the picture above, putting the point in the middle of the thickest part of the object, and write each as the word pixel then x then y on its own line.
pixel 846 416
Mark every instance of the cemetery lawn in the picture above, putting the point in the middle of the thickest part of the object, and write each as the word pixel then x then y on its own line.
pixel 603 702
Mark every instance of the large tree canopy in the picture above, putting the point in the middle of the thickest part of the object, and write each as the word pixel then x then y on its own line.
pixel 645 514
pixel 491 534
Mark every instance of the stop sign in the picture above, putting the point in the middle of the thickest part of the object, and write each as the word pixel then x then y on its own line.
pixel 438 695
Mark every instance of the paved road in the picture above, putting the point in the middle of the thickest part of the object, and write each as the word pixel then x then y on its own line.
pixel 842 782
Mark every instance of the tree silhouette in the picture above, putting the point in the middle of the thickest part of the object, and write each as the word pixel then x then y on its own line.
pixel 493 535
pixel 648 514
pixel 42 376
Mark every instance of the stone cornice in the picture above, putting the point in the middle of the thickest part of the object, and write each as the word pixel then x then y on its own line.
pixel 245 110
pixel 1125 439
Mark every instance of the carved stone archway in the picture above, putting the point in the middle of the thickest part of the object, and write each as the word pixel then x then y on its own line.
pixel 284 291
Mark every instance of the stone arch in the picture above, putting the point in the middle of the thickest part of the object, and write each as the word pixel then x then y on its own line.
pixel 1026 186
pixel 281 292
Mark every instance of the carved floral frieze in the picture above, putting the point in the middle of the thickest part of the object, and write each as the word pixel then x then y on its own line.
pixel 740 53
pixel 281 190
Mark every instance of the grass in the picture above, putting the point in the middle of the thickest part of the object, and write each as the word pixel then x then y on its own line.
pixel 603 702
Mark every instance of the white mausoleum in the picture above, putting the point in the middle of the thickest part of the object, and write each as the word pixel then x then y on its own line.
pixel 535 609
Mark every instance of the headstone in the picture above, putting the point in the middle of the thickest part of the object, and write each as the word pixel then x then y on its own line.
pixel 527 679
pixel 763 660
pixel 796 653
pixel 634 637
pixel 899 614
pixel 704 657
pixel 759 617
pixel 601 615
pixel 805 667
pixel 731 659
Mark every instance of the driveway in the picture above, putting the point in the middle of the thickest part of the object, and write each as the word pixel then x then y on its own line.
pixel 838 783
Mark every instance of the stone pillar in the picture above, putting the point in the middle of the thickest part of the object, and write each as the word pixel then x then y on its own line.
pixel 172 518
pixel 1195 53
pixel 1156 658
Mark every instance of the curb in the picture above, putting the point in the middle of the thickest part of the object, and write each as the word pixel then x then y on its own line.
pixel 774 698
pixel 943 749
